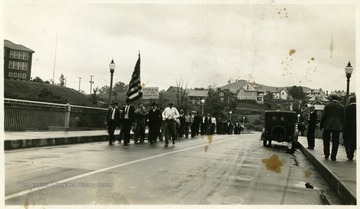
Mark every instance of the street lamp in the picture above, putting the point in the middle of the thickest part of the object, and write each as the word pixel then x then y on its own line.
pixel 230 114
pixel 112 68
pixel 243 120
pixel 348 72
pixel 202 106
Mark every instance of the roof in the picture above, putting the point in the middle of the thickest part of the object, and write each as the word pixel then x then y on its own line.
pixel 11 45
pixel 198 93
pixel 234 87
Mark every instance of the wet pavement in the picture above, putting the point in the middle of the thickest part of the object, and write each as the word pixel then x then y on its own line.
pixel 340 174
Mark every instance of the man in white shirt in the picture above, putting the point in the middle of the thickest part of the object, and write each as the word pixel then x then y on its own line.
pixel 169 115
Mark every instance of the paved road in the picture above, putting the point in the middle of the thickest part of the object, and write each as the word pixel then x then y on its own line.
pixel 205 170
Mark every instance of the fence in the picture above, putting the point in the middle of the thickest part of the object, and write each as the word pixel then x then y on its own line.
pixel 25 115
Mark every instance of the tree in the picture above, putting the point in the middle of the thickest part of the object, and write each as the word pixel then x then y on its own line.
pixel 62 80
pixel 214 106
pixel 181 92
pixel 269 100
pixel 296 92
pixel 120 87
pixel 38 79
pixel 94 98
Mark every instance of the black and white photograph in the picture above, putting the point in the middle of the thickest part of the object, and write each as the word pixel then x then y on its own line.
pixel 181 104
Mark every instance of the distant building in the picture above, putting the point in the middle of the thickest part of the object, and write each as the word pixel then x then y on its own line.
pixel 195 96
pixel 225 95
pixel 250 92
pixel 282 94
pixel 17 61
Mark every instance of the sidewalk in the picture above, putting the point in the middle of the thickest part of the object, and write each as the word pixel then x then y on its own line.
pixel 340 174
pixel 18 140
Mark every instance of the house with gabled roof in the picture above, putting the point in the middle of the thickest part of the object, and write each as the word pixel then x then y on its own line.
pixel 225 95
pixel 250 92
pixel 195 96
pixel 282 94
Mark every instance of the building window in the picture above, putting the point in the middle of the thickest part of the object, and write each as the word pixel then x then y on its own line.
pixel 19 55
pixel 222 99
pixel 221 94
pixel 15 74
pixel 10 74
pixel 18 65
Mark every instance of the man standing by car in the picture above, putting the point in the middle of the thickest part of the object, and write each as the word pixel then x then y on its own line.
pixel 311 127
pixel 332 121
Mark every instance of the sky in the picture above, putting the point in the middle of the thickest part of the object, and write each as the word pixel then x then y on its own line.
pixel 198 45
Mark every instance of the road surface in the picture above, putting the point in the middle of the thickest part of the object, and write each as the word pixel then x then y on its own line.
pixel 206 170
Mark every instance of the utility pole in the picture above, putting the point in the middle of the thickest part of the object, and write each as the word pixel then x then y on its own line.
pixel 79 83
pixel 53 81
pixel 91 83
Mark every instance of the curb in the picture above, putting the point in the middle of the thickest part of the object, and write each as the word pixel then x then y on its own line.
pixel 32 143
pixel 341 190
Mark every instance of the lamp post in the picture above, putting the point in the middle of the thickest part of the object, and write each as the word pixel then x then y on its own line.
pixel 112 68
pixel 348 72
pixel 202 106
pixel 230 114
pixel 243 120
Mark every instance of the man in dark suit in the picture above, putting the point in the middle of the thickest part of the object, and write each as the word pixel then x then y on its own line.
pixel 112 121
pixel 127 117
pixel 155 120
pixel 332 121
pixel 311 127
pixel 349 133
pixel 196 125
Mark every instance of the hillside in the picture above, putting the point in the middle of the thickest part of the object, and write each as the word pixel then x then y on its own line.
pixel 234 87
pixel 34 91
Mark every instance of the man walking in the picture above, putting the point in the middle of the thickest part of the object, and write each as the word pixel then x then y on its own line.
pixel 155 120
pixel 127 120
pixel 349 133
pixel 311 128
pixel 112 121
pixel 332 121
pixel 169 115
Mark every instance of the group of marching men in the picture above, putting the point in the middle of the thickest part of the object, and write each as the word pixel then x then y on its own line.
pixel 168 123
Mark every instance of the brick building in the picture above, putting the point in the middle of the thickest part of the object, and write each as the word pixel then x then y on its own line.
pixel 17 61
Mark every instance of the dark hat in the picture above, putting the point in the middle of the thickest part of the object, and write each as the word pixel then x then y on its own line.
pixel 334 97
pixel 127 100
pixel 153 104
pixel 170 103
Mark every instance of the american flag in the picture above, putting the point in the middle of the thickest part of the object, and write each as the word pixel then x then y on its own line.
pixel 134 92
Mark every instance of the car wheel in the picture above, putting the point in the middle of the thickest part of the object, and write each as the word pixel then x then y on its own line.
pixel 278 133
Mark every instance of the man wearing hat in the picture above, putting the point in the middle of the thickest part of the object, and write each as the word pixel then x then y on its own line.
pixel 155 120
pixel 127 116
pixel 311 127
pixel 332 121
pixel 169 115
pixel 112 121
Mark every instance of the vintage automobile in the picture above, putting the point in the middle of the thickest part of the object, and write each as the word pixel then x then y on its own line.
pixel 280 126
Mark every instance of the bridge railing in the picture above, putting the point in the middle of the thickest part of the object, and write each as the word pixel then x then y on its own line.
pixel 25 115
